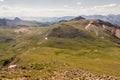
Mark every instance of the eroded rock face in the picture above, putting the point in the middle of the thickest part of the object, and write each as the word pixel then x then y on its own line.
pixel 113 29
pixel 117 33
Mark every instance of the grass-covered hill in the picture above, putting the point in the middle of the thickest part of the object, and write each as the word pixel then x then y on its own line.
pixel 73 50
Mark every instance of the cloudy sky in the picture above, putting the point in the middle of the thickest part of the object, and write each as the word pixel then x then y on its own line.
pixel 52 8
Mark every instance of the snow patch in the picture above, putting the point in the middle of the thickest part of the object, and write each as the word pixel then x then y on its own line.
pixel 46 38
pixel 12 66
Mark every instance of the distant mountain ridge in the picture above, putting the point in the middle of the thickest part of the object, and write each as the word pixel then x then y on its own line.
pixel 17 22
pixel 114 19
pixel 46 21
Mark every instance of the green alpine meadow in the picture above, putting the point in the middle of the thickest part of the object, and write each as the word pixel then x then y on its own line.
pixel 59 40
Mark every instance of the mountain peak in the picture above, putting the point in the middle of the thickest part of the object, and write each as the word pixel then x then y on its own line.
pixel 17 19
pixel 78 18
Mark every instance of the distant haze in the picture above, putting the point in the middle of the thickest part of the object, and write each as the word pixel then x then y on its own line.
pixel 57 8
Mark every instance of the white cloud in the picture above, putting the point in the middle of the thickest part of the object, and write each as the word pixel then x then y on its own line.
pixel 106 6
pixel 1 0
pixel 66 6
pixel 78 3
pixel 9 11
pixel 103 9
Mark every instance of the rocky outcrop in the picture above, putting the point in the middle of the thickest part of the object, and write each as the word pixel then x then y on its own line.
pixel 112 29
pixel 117 33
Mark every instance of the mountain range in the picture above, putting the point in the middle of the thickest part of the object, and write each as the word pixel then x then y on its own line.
pixel 18 22
pixel 114 19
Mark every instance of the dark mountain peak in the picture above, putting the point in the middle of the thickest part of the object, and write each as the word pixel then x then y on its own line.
pixel 17 19
pixel 63 21
pixel 78 18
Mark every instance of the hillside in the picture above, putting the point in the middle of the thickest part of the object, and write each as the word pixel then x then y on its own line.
pixel 94 27
pixel 74 50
